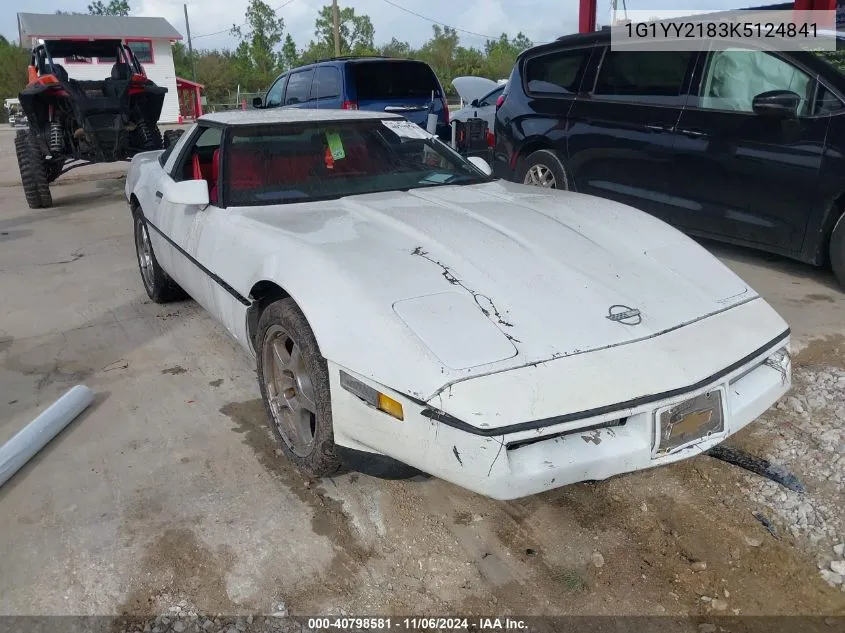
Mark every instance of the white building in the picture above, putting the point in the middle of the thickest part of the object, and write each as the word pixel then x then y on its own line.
pixel 149 38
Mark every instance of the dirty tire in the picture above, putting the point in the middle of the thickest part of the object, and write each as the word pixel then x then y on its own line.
pixel 33 170
pixel 158 284
pixel 544 169
pixel 53 168
pixel 171 136
pixel 320 460
pixel 149 136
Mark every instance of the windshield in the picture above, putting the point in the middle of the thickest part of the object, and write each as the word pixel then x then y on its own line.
pixel 280 163
pixel 392 79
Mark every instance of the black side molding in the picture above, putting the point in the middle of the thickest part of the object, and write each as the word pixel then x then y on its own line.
pixel 454 422
pixel 214 277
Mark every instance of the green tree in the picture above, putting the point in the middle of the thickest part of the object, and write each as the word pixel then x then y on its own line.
pixel 501 54
pixel 356 33
pixel 439 53
pixel 114 7
pixel 256 56
pixel 396 48
pixel 216 71
pixel 13 64
pixel 289 55
pixel 181 59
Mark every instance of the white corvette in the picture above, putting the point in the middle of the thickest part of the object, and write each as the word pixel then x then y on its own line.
pixel 406 310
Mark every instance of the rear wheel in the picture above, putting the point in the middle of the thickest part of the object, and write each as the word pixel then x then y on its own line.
pixel 544 169
pixel 294 381
pixel 32 166
pixel 158 284
pixel 837 250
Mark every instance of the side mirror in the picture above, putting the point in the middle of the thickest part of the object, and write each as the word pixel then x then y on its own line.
pixel 473 103
pixel 776 103
pixel 188 192
pixel 481 164
pixel 257 102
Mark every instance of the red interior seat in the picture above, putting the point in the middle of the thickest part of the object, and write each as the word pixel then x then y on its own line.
pixel 215 176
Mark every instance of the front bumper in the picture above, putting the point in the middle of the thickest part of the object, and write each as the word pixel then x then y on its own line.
pixel 518 460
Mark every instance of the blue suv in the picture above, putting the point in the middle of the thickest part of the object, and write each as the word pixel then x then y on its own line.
pixel 402 86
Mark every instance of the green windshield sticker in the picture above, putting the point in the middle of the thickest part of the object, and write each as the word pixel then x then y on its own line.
pixel 335 145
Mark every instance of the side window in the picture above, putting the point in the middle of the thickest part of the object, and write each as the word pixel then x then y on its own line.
pixel 643 76
pixel 826 101
pixel 556 73
pixel 274 95
pixel 733 77
pixel 299 86
pixel 196 162
pixel 326 83
pixel 491 98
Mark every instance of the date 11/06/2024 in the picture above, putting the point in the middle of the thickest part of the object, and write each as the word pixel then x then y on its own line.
pixel 418 624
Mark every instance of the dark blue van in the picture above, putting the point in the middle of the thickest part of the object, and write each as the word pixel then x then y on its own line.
pixel 402 86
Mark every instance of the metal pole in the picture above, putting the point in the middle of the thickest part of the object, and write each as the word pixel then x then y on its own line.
pixel 190 46
pixel 336 21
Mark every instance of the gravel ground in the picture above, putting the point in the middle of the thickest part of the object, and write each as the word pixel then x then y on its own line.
pixel 806 433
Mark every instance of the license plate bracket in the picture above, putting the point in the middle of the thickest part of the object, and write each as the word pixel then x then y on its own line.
pixel 690 421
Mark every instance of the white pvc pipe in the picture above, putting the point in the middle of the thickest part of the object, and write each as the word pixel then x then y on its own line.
pixel 35 435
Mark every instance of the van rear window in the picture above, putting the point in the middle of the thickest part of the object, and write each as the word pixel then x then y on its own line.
pixel 389 80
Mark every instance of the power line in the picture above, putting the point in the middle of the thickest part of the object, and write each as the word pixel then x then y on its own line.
pixel 281 6
pixel 419 15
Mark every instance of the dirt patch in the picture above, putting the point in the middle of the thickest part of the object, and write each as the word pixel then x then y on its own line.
pixel 829 350
pixel 174 371
pixel 177 563
pixel 328 518
pixel 216 383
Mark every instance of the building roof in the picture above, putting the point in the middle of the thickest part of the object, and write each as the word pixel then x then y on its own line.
pixel 188 82
pixel 52 26
pixel 293 115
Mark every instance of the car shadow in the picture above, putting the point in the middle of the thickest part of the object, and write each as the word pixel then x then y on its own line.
pixel 821 275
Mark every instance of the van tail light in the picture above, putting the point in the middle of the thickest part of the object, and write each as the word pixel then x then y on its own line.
pixel 350 105
pixel 491 139
pixel 500 101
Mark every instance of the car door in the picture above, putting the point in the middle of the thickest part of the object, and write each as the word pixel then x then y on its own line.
pixel 180 226
pixel 622 127
pixel 486 106
pixel 741 175
pixel 298 90
pixel 326 88
pixel 276 93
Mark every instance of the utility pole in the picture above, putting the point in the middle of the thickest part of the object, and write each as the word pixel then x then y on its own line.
pixel 336 20
pixel 190 46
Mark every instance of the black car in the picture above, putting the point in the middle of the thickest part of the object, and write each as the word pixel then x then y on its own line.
pixel 743 145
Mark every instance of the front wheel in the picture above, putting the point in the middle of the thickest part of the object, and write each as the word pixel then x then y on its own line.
pixel 837 250
pixel 294 381
pixel 544 169
pixel 32 165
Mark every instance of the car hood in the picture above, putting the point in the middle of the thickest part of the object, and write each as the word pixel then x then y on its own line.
pixel 470 88
pixel 493 276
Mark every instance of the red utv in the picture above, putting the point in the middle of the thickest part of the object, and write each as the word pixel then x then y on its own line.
pixel 73 123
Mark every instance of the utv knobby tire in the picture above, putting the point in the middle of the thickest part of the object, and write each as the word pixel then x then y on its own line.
pixel 150 136
pixel 158 284
pixel 322 459
pixel 837 250
pixel 171 136
pixel 33 170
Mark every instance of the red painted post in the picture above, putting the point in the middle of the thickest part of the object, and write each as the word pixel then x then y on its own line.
pixel 198 96
pixel 587 16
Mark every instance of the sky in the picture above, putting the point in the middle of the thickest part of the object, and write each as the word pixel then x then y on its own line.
pixel 540 20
